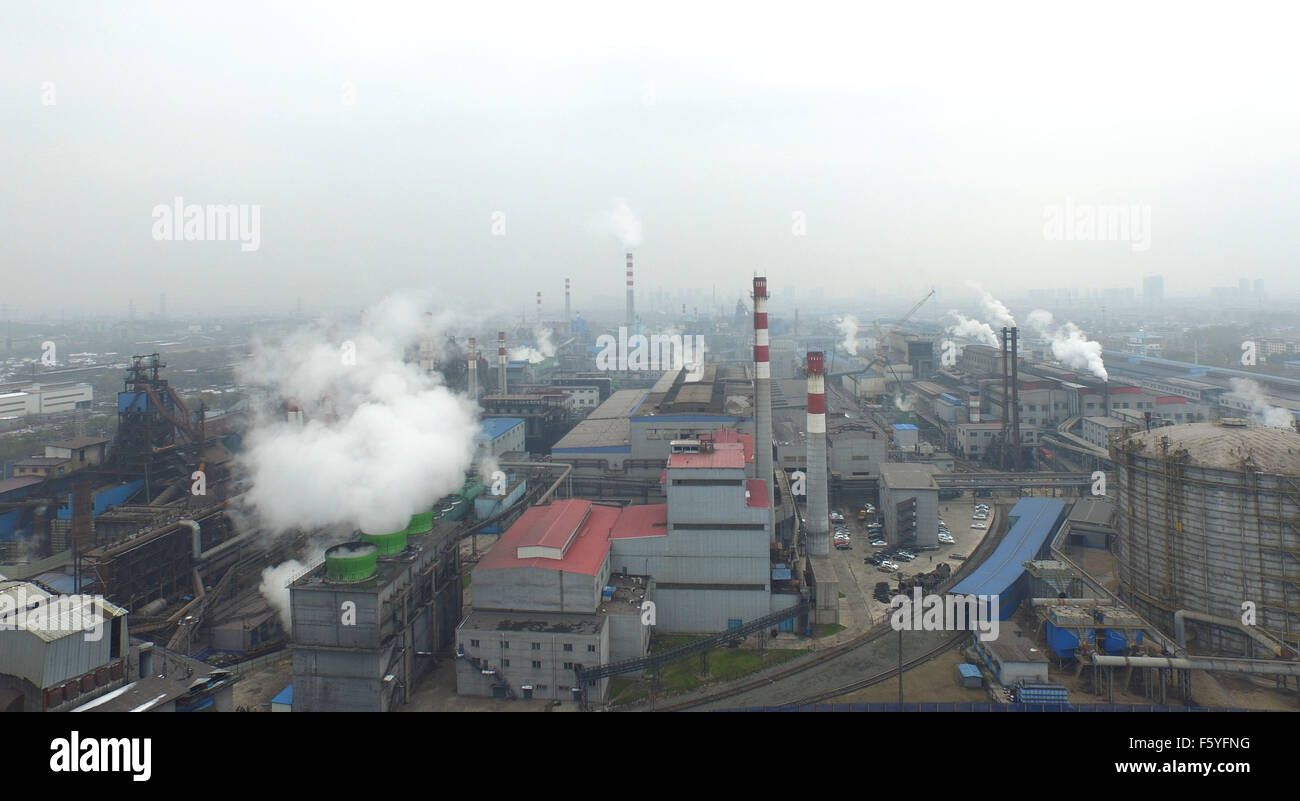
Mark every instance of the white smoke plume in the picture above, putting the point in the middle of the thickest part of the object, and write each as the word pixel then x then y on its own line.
pixel 620 221
pixel 972 329
pixel 544 343
pixel 1070 345
pixel 849 332
pixel 1260 408
pixel 903 402
pixel 381 440
pixel 997 313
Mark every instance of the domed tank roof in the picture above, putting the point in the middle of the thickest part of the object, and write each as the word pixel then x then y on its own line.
pixel 1225 445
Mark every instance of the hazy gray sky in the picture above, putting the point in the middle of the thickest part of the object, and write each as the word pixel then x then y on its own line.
pixel 921 146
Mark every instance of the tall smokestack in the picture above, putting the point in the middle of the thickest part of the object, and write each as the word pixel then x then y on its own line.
pixel 426 345
pixel 1015 397
pixel 1006 402
pixel 472 383
pixel 567 314
pixel 819 539
pixel 501 362
pixel 539 307
pixel 762 394
pixel 631 302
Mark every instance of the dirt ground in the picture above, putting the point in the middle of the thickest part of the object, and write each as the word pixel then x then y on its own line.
pixel 256 690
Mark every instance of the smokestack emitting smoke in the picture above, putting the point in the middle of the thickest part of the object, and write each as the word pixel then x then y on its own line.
pixel 631 300
pixel 849 331
pixel 1069 344
pixel 472 383
pixel 819 542
pixel 1260 408
pixel 501 362
pixel 762 394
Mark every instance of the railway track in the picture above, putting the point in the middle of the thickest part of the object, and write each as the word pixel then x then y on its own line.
pixel 884 675
pixel 882 629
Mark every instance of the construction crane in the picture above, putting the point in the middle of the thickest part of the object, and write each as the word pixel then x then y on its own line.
pixel 882 348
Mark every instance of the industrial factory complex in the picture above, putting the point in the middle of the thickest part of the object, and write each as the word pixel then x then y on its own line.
pixel 636 504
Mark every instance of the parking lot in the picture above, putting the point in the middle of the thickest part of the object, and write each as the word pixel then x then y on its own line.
pixel 859 578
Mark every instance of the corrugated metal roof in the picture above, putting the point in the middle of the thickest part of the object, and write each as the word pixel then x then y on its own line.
pixel 61 615
pixel 1033 521
pixel 968 671
pixel 493 427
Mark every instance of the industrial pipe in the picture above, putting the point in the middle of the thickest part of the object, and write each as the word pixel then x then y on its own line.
pixel 1225 664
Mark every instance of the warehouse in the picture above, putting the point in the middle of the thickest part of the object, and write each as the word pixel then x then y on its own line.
pixel 1033 522
pixel 57 650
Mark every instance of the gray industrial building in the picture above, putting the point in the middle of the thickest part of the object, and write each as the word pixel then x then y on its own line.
pixel 630 433
pixel 909 505
pixel 360 645
pixel 574 573
pixel 57 651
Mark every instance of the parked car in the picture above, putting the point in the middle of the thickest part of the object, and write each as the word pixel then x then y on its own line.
pixel 960 557
pixel 978 525
pixel 878 543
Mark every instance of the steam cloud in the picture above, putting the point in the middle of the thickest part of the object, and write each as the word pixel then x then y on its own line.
pixel 1070 345
pixel 544 349
pixel 972 329
pixel 620 221
pixel 381 441
pixel 849 331
pixel 1260 408
pixel 996 312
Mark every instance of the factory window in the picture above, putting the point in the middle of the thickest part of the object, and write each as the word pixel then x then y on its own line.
pixel 473 643
pixel 541 688
pixel 591 649
pixel 568 646
pixel 505 663
pixel 568 666
pixel 537 646
pixel 505 643
pixel 536 664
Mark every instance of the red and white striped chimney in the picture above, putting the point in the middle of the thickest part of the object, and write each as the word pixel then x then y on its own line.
pixel 501 362
pixel 539 307
pixel 567 314
pixel 631 302
pixel 819 542
pixel 762 394
pixel 472 383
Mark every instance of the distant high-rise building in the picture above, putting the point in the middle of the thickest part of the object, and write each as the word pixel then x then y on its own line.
pixel 1153 289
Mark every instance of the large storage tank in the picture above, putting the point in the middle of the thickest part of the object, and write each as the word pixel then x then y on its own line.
pixel 1210 520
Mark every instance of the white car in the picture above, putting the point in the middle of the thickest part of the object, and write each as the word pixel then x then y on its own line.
pixel 978 525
